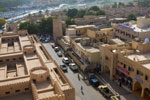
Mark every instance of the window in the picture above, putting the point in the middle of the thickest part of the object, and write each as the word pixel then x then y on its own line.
pixel 26 89
pixel 106 58
pixel 1 60
pixel 137 72
pixel 14 59
pixel 7 93
pixel 130 69
pixel 124 66
pixel 7 59
pixel 17 90
pixel 121 63
pixel 146 77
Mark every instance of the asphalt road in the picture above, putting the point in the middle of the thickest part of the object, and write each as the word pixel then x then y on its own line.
pixel 89 93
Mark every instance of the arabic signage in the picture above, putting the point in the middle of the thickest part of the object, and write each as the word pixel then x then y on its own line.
pixel 138 79
pixel 123 70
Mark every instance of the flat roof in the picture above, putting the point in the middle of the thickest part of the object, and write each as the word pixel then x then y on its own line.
pixel 133 27
pixel 147 65
pixel 140 58
pixel 88 48
pixel 85 26
pixel 136 57
pixel 137 29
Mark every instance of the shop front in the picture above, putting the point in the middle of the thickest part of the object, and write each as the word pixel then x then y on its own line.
pixel 123 78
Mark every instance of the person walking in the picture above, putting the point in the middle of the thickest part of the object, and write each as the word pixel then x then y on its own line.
pixel 81 88
pixel 78 77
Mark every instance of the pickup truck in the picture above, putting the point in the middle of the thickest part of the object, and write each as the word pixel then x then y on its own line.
pixel 107 92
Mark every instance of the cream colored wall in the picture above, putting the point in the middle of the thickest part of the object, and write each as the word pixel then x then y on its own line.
pixel 13 87
pixel 135 66
pixel 143 22
pixel 93 57
pixel 57 28
pixel 140 46
pixel 91 34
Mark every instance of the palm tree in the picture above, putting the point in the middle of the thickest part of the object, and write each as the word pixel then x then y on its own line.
pixel 40 12
pixel 47 12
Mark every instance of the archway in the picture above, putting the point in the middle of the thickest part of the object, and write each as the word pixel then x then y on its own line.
pixel 137 88
pixel 146 94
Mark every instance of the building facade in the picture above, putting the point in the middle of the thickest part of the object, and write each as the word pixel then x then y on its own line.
pixel 128 64
pixel 131 30
pixel 26 68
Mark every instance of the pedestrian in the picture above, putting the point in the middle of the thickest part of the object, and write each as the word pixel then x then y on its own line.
pixel 81 88
pixel 78 77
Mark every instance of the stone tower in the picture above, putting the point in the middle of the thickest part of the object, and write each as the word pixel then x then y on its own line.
pixel 57 28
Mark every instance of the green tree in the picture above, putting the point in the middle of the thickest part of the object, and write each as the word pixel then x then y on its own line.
pixel 115 5
pixel 46 26
pixel 2 22
pixel 130 4
pixel 94 8
pixel 47 12
pixel 40 12
pixel 100 12
pixel 81 13
pixel 90 12
pixel 121 4
pixel 30 26
pixel 69 21
pixel 131 17
pixel 72 13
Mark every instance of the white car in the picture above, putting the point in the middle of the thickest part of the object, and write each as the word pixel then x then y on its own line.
pixel 66 60
pixel 73 66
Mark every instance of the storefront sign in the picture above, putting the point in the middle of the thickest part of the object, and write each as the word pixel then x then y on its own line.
pixel 138 79
pixel 123 70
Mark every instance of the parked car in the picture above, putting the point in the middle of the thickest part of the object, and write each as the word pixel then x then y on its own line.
pixel 114 98
pixel 94 82
pixel 64 68
pixel 59 53
pixel 66 60
pixel 57 49
pixel 106 91
pixel 73 67
pixel 47 40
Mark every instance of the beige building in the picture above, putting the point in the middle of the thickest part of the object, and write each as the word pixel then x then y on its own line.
pixel 89 55
pixel 130 30
pixel 92 20
pixel 27 71
pixel 129 65
pixel 79 30
pixel 102 35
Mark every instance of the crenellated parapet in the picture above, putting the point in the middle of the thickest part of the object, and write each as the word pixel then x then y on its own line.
pixel 27 49
pixel 39 74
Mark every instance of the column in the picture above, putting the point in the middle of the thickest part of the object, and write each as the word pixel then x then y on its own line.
pixel 133 87
pixel 142 93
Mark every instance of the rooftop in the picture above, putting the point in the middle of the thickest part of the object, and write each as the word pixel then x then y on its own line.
pixel 136 29
pixel 20 55
pixel 143 59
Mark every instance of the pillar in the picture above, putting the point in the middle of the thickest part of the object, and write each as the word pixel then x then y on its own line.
pixel 142 93
pixel 111 73
pixel 133 87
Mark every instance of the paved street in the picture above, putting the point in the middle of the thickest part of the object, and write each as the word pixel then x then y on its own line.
pixel 89 92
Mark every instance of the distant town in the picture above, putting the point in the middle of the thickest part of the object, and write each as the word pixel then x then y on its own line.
pixel 75 50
